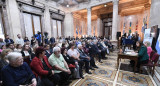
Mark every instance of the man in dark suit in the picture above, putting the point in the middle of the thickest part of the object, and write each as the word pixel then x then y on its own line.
pixel 52 40
pixel 84 58
pixel 94 50
pixel 8 40
pixel 103 50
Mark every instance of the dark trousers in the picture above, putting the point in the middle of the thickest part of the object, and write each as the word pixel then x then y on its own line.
pixel 103 52
pixel 141 62
pixel 64 77
pixel 80 63
pixel 50 81
pixel 86 61
pixel 92 62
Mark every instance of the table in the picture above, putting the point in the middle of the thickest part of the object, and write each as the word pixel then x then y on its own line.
pixel 127 56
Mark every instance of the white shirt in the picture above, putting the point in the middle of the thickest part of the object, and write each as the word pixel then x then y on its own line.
pixel 20 41
pixel 72 52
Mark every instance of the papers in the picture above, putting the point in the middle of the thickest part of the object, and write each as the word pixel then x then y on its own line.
pixel 131 53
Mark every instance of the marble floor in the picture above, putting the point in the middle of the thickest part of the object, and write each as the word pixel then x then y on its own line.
pixel 108 75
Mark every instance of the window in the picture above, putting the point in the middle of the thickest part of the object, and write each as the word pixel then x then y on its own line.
pixel 32 24
pixel 56 28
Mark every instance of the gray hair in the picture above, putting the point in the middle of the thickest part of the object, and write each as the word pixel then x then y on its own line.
pixel 79 45
pixel 13 56
pixel 55 49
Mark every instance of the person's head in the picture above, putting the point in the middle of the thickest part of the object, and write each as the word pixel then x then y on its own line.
pixel 95 41
pixel 19 46
pixel 63 51
pixel 46 47
pixel 19 36
pixel 15 59
pixel 7 36
pixel 57 51
pixel 40 52
pixel 72 45
pixel 25 38
pixel 33 38
pixel 10 45
pixel 26 47
pixel 139 44
pixel 63 45
pixel 4 53
pixel 3 47
pixel 147 44
pixel 79 46
pixel 1 40
pixel 35 47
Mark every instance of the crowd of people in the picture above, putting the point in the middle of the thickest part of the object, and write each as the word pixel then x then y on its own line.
pixel 49 63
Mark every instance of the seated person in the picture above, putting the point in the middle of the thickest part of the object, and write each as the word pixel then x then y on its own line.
pixel 41 67
pixel 92 61
pixel 73 53
pixel 26 53
pixel 83 57
pixel 47 50
pixel 143 57
pixel 17 73
pixel 103 50
pixel 57 61
pixel 94 50
pixel 70 61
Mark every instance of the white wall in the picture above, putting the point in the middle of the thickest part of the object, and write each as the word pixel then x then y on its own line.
pixel 154 13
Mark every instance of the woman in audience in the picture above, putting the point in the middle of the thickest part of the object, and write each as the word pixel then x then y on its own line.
pixel 73 53
pixel 34 50
pixel 143 57
pixel 70 61
pixel 18 48
pixel 26 39
pixel 26 53
pixel 2 48
pixel 17 73
pixel 41 67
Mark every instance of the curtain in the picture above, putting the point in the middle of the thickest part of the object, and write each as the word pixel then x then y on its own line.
pixel 28 25
pixel 59 28
pixel 54 25
pixel 37 24
pixel 1 27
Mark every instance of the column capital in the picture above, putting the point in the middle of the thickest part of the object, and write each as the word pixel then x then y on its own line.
pixel 115 2
pixel 89 8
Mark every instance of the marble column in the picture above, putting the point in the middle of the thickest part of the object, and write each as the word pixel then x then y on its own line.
pixel 154 13
pixel 99 27
pixel 68 25
pixel 115 19
pixel 89 21
pixel 47 22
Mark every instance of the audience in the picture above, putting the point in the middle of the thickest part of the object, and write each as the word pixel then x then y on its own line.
pixel 52 64
pixel 17 73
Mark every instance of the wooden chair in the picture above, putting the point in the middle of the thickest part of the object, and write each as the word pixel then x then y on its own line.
pixel 152 62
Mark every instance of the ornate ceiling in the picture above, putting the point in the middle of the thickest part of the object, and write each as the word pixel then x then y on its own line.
pixel 70 2
pixel 126 7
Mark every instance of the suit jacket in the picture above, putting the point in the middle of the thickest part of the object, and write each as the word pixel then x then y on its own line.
pixel 94 49
pixel 48 53
pixel 37 67
pixel 82 54
pixel 100 46
pixel 7 41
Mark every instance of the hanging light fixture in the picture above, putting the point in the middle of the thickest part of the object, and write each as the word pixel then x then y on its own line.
pixel 105 5
pixel 67 5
